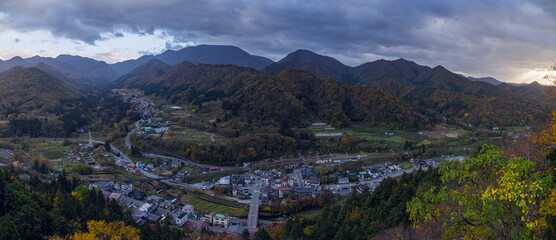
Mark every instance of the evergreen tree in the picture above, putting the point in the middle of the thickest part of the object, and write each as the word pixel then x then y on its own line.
pixel 262 234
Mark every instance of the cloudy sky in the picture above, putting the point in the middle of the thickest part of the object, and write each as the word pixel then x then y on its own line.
pixel 509 40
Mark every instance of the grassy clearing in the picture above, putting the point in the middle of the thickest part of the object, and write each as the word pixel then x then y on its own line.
pixel 97 136
pixel 211 176
pixel 188 135
pixel 406 165
pixel 49 149
pixel 191 170
pixel 378 134
pixel 205 202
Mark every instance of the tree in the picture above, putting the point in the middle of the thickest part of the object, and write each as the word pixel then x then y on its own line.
pixel 262 234
pixel 8 229
pixel 245 235
pixel 107 146
pixel 488 197
pixel 106 230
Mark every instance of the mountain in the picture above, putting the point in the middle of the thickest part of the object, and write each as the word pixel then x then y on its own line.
pixel 58 75
pixel 31 89
pixel 490 80
pixel 437 91
pixel 321 66
pixel 89 68
pixel 81 69
pixel 207 54
pixel 142 75
pixel 532 90
pixel 287 99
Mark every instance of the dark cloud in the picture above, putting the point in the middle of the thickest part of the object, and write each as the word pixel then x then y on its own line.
pixel 495 37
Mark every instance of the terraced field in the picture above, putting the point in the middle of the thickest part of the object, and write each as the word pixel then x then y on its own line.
pixel 6 154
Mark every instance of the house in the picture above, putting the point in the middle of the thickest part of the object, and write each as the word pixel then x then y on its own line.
pixel 268 192
pixel 234 190
pixel 144 207
pixel 126 201
pixel 130 166
pixel 154 199
pixel 393 166
pixel 202 225
pixel 208 217
pixel 190 224
pixel 104 186
pixel 237 179
pixel 335 175
pixel 307 172
pixel 343 180
pixel 153 218
pixel 120 162
pixel 161 212
pixel 224 181
pixel 176 163
pixel 365 175
pixel 188 209
pixel 361 188
pixel 181 174
pixel 180 218
pixel 213 169
pixel 168 204
pixel 236 229
pixel 304 192
pixel 313 182
pixel 234 221
pixel 126 188
pixel 291 181
pixel 220 220
pixel 283 191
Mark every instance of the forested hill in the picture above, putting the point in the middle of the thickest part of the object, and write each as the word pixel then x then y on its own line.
pixel 27 90
pixel 437 90
pixel 287 99
pixel 142 74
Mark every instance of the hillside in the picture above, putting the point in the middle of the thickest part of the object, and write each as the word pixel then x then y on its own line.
pixel 287 99
pixel 30 89
pixel 142 75
pixel 58 75
pixel 491 80
pixel 437 91
pixel 207 54
pixel 84 70
pixel 321 66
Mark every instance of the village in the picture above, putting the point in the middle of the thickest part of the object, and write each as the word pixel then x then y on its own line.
pixel 261 187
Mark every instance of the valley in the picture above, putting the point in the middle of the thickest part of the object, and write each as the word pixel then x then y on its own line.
pixel 197 141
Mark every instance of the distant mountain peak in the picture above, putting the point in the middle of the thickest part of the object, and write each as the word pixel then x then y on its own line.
pixel 207 54
pixel 18 58
pixel 306 56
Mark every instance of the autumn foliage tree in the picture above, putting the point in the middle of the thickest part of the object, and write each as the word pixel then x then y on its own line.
pixel 486 196
pixel 105 231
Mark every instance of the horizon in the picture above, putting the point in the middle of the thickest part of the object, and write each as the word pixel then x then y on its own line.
pixel 512 42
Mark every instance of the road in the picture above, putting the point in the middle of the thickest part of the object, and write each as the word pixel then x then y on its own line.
pixel 127 142
pixel 184 161
pixel 299 178
pixel 90 139
pixel 253 216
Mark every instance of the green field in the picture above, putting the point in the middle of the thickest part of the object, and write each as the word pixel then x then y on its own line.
pixel 97 136
pixel 188 135
pixel 378 134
